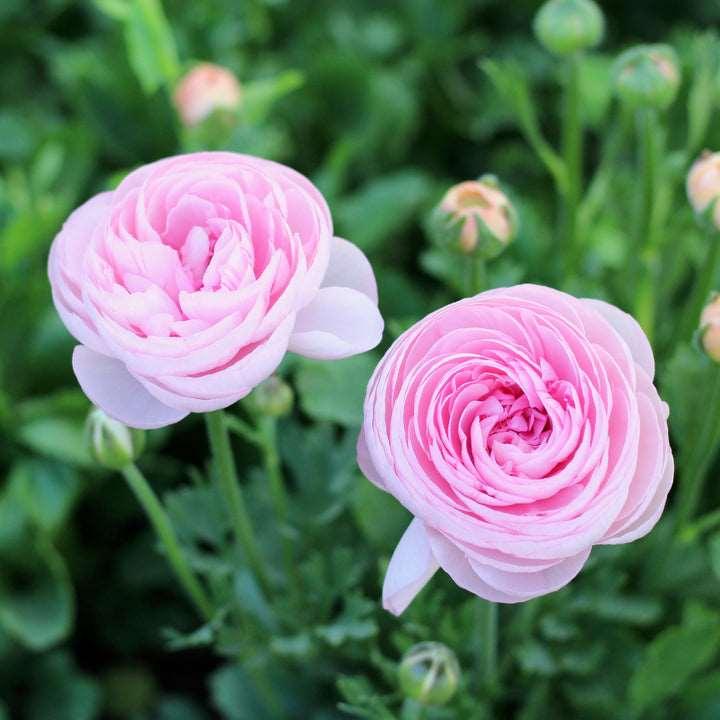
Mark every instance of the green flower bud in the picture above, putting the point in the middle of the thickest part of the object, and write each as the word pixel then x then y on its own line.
pixel 567 26
pixel 112 444
pixel 273 397
pixel 475 216
pixel 429 673
pixel 647 76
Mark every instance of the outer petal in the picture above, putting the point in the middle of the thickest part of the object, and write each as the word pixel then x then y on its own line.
pixel 498 585
pixel 338 323
pixel 629 330
pixel 349 267
pixel 364 460
pixel 65 267
pixel 411 566
pixel 109 385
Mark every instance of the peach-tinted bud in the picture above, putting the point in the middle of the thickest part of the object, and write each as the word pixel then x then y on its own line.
pixel 710 328
pixel 648 76
pixel 703 184
pixel 205 89
pixel 478 203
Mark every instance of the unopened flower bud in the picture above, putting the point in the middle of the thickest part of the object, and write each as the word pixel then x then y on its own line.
pixel 703 185
pixel 567 26
pixel 429 673
pixel 205 89
pixel 273 397
pixel 648 76
pixel 477 215
pixel 710 329
pixel 112 444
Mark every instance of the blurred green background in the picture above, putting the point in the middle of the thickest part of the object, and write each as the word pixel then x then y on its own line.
pixel 384 105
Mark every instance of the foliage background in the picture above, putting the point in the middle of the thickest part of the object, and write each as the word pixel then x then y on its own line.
pixel 384 105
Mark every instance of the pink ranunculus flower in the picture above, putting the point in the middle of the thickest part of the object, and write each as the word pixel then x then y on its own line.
pixel 520 427
pixel 187 284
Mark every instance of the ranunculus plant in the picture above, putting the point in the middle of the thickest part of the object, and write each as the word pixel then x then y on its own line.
pixel 186 285
pixel 520 427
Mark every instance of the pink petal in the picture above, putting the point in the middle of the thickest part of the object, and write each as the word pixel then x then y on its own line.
pixel 365 462
pixel 349 267
pixel 65 268
pixel 629 330
pixel 109 385
pixel 526 585
pixel 338 323
pixel 411 566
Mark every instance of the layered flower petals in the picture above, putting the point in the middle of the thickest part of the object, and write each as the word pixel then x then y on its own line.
pixel 520 428
pixel 109 385
pixel 195 276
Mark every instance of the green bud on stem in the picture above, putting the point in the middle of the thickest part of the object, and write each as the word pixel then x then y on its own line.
pixel 429 673
pixel 113 445
pixel 564 27
pixel 647 76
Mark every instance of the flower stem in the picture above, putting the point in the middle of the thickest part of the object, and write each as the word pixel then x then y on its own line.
pixel 267 442
pixel 168 539
pixel 231 491
pixel 487 650
pixel 646 244
pixel 572 151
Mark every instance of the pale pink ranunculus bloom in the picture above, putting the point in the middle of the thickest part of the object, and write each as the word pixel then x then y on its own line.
pixel 520 427
pixel 187 285
pixel 205 89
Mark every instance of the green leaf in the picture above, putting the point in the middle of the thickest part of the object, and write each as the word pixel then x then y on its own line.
pixel 362 700
pixel 674 656
pixel 334 391
pixel 383 208
pixel 234 695
pixel 62 692
pixel 353 623
pixel 36 602
pixel 380 517
pixel 47 491
pixel 260 95
pixel 151 46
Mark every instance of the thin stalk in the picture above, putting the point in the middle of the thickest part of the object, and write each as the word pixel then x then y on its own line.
pixel 168 539
pixel 476 274
pixel 267 442
pixel 572 152
pixel 487 620
pixel 231 491
pixel 700 457
pixel 647 241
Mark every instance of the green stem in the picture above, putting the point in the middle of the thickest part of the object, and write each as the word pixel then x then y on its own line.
pixel 168 539
pixel 646 242
pixel 267 442
pixel 231 491
pixel 700 456
pixel 572 150
pixel 487 619
pixel 476 274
